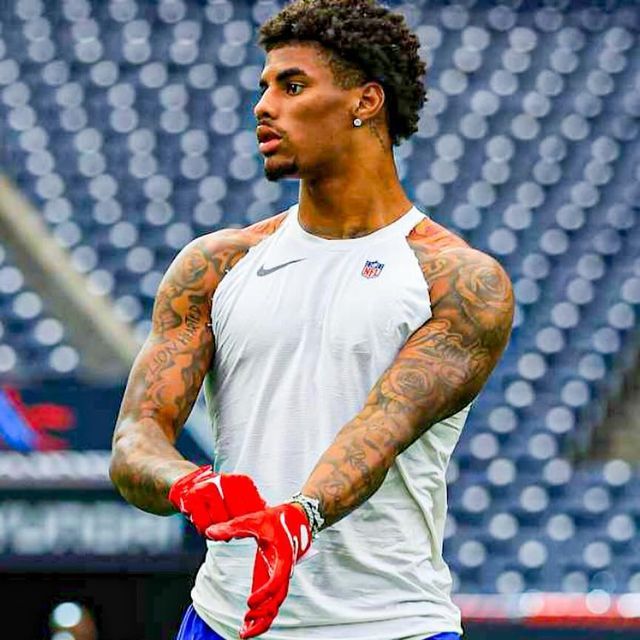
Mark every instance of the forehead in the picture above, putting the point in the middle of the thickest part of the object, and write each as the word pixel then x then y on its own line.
pixel 307 57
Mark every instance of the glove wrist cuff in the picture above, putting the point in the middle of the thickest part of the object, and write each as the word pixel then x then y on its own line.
pixel 178 488
pixel 312 510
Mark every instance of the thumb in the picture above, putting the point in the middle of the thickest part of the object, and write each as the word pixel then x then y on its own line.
pixel 255 628
pixel 242 527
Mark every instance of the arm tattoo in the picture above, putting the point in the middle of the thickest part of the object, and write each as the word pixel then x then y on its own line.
pixel 167 374
pixel 439 370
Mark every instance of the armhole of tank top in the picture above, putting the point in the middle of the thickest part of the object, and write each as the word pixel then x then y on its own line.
pixel 277 227
pixel 441 237
pixel 418 264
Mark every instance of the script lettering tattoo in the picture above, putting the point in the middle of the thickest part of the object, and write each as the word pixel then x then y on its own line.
pixel 439 370
pixel 167 375
pixel 376 133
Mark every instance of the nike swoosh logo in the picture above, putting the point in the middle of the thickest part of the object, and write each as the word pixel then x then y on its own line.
pixel 262 271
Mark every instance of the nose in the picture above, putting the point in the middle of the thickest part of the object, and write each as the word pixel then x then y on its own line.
pixel 264 108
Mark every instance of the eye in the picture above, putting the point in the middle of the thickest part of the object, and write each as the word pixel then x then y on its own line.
pixel 293 88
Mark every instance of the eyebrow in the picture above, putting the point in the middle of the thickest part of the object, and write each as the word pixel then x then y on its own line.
pixel 285 74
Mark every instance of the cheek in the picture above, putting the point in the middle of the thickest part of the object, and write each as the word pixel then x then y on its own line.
pixel 323 123
pixel 321 140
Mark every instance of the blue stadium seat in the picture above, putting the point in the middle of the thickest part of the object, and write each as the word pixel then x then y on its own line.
pixel 129 124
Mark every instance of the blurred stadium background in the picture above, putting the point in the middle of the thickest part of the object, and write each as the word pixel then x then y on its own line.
pixel 126 130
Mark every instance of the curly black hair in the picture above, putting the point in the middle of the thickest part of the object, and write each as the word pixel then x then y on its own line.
pixel 363 41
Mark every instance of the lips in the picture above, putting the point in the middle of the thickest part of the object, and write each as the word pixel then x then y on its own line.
pixel 269 139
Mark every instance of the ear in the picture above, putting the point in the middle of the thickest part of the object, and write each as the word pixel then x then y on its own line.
pixel 371 100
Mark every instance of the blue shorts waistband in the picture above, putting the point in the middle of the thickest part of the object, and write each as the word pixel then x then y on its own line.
pixel 193 627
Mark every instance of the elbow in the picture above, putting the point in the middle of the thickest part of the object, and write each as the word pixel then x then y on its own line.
pixel 118 464
pixel 115 466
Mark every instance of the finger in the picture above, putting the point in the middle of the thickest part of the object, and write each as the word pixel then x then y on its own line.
pixel 243 527
pixel 216 509
pixel 269 607
pixel 248 522
pixel 214 532
pixel 206 510
pixel 260 571
pixel 280 574
pixel 199 516
pixel 269 553
pixel 244 498
pixel 255 627
pixel 259 607
pixel 208 494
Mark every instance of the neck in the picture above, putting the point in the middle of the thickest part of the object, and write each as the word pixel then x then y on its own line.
pixel 353 200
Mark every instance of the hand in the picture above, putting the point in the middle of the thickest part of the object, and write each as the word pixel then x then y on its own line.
pixel 283 535
pixel 206 497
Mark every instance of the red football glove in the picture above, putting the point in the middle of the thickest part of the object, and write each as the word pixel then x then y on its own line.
pixel 206 497
pixel 283 536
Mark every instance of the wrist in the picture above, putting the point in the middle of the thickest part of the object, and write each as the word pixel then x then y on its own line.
pixel 183 479
pixel 312 510
pixel 179 471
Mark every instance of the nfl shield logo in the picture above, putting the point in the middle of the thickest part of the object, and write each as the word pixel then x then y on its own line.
pixel 372 269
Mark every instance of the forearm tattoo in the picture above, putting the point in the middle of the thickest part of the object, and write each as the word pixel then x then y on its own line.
pixel 440 369
pixel 167 374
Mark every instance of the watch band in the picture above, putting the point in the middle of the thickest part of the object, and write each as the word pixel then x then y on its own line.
pixel 311 507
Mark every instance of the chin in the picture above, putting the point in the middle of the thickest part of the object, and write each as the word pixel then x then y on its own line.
pixel 274 171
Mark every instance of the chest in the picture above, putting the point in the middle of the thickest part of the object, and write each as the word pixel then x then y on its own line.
pixel 353 302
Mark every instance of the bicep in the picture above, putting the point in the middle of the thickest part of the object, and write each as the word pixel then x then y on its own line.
pixel 434 375
pixel 168 372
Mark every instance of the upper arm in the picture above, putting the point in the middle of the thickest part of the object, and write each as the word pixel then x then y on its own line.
pixel 168 372
pixel 446 362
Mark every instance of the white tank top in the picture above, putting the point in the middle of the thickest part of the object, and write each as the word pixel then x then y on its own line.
pixel 304 326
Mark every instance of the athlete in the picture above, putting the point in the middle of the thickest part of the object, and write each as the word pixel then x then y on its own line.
pixel 340 343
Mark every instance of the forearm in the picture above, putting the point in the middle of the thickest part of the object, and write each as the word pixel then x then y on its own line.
pixel 354 466
pixel 144 465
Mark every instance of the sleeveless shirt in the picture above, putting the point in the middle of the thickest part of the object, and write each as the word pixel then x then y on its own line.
pixel 304 327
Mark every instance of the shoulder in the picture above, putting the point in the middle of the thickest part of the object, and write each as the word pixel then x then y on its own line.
pixel 222 249
pixel 428 238
pixel 206 259
pixel 460 278
pixel 468 277
pixel 444 257
pixel 225 244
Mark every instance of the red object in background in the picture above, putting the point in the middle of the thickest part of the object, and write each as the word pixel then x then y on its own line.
pixel 596 609
pixel 42 418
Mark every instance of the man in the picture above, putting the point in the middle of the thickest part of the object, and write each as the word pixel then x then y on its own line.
pixel 342 343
